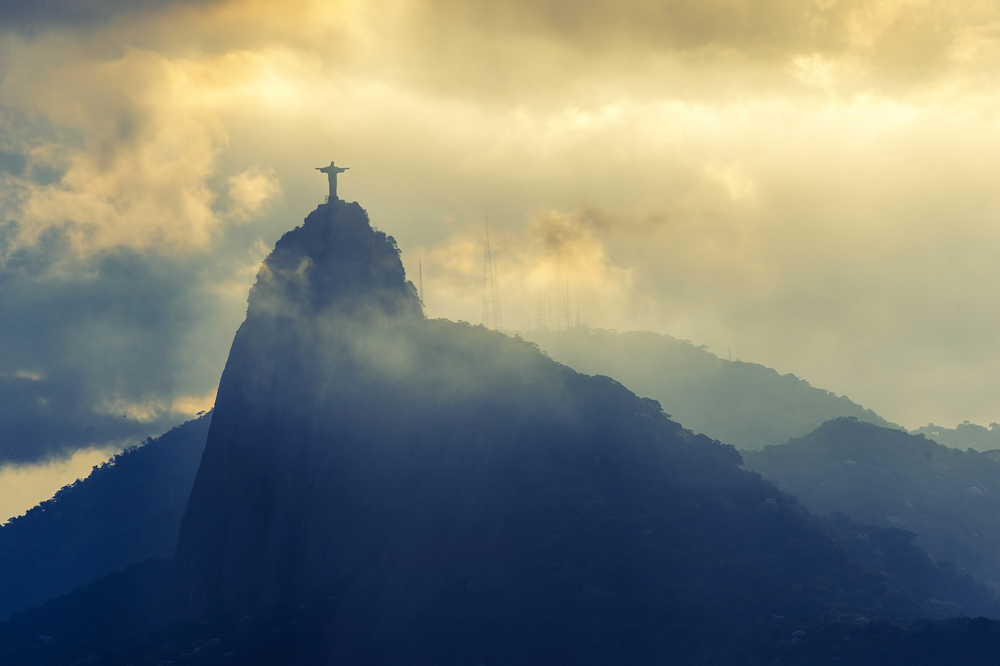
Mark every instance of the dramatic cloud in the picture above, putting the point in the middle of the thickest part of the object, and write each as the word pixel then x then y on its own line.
pixel 24 486
pixel 809 183
pixel 543 273
pixel 98 354
pixel 40 14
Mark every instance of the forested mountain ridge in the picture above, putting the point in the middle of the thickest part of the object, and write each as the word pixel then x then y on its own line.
pixel 744 404
pixel 127 510
pixel 886 477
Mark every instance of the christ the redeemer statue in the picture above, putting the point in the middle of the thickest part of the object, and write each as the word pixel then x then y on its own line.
pixel 331 173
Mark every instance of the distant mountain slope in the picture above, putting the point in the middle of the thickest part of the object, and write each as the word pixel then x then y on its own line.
pixel 128 509
pixel 963 436
pixel 744 404
pixel 949 498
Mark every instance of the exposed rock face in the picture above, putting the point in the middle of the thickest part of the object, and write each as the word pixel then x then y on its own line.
pixel 261 498
pixel 459 497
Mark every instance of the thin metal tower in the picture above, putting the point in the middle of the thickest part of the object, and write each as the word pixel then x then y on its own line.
pixel 567 315
pixel 541 310
pixel 497 313
pixel 492 314
pixel 560 309
pixel 420 279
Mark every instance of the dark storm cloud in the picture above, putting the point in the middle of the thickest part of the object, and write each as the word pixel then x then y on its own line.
pixel 91 346
pixel 74 346
pixel 118 294
pixel 12 163
pixel 767 26
pixel 40 13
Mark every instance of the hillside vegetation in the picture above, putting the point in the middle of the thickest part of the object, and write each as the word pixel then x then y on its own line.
pixel 127 510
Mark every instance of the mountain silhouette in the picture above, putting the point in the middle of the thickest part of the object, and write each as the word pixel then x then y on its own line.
pixel 451 494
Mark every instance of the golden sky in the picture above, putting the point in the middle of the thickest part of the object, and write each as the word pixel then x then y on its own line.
pixel 811 183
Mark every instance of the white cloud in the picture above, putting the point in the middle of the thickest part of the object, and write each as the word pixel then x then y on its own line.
pixel 249 191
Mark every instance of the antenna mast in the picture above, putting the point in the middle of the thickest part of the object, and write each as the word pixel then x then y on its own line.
pixel 420 279
pixel 492 315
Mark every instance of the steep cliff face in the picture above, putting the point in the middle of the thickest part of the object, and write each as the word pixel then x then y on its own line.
pixel 327 290
pixel 456 496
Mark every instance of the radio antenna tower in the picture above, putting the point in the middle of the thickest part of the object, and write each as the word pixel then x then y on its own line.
pixel 420 279
pixel 492 315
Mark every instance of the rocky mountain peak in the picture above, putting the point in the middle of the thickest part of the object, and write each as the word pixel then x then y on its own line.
pixel 334 260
